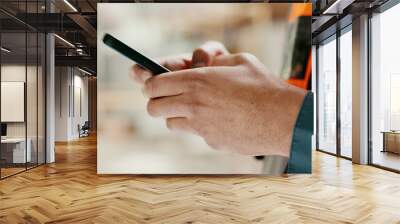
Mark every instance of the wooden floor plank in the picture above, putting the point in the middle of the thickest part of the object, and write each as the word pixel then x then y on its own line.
pixel 70 191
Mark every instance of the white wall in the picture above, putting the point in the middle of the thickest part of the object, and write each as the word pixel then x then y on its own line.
pixel 61 103
pixel 79 117
pixel 12 73
pixel 70 83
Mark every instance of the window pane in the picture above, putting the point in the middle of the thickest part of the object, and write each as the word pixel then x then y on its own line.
pixel 345 94
pixel 31 97
pixel 385 84
pixel 32 88
pixel 327 97
pixel 22 90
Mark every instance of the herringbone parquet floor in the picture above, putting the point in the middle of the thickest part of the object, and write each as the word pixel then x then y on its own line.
pixel 69 191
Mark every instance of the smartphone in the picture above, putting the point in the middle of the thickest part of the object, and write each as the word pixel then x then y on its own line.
pixel 132 54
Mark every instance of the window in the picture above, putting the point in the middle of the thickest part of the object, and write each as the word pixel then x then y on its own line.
pixel 346 94
pixel 385 89
pixel 327 97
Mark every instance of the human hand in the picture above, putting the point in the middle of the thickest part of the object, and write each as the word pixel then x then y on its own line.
pixel 201 57
pixel 234 104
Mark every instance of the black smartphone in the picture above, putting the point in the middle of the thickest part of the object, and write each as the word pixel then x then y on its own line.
pixel 137 57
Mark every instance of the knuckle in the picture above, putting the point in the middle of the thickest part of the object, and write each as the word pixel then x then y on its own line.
pixel 245 58
pixel 193 104
pixel 197 81
pixel 149 87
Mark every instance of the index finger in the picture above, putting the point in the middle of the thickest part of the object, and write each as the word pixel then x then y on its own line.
pixel 171 83
pixel 173 63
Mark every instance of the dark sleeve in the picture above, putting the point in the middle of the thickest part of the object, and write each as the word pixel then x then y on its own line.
pixel 300 153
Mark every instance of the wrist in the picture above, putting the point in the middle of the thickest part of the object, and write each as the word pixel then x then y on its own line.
pixel 291 99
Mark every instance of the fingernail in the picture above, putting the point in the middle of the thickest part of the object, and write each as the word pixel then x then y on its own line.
pixel 199 64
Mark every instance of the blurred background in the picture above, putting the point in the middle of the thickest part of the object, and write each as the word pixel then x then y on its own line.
pixel 129 140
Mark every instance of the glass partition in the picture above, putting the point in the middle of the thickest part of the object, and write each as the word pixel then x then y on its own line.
pixel 22 77
pixel 32 87
pixel 31 100
pixel 13 109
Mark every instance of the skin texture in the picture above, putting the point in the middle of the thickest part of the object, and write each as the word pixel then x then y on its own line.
pixel 230 100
